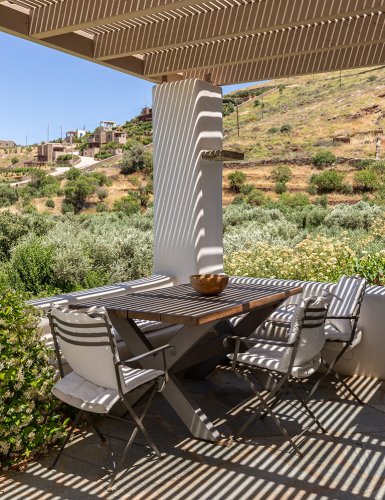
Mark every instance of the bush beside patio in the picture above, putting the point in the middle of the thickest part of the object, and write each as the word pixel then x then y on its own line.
pixel 29 420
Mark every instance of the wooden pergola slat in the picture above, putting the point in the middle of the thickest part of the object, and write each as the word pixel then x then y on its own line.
pixel 243 19
pixel 71 15
pixel 304 40
pixel 316 62
pixel 221 41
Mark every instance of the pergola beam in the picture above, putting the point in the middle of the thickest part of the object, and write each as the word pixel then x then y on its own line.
pixel 243 19
pixel 286 66
pixel 72 15
pixel 306 39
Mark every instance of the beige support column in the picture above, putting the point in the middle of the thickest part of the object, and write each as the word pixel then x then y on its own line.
pixel 187 117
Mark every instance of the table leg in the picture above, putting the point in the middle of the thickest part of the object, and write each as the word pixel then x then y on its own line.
pixel 178 397
pixel 189 411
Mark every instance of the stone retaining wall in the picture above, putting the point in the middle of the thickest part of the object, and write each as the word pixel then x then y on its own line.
pixel 301 161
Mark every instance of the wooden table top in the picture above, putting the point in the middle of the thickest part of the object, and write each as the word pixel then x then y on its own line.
pixel 181 304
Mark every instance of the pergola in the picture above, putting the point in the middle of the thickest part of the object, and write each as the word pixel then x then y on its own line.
pixel 192 47
pixel 219 41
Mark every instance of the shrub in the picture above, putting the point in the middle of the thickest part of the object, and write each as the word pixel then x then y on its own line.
pixel 128 204
pixel 294 200
pixel 228 108
pixel 236 180
pixel 247 188
pixel 73 174
pixel 78 191
pixel 29 417
pixel 364 163
pixel 281 173
pixel 102 207
pixel 103 155
pixel 365 180
pixel 313 259
pixel 280 187
pixel 322 201
pixel 50 203
pixel 133 159
pixel 286 128
pixel 328 181
pixel 65 157
pixel 256 197
pixel 378 167
pixel 273 130
pixel 358 216
pixel 32 267
pixel 8 195
pixel 67 208
pixel 102 193
pixel 14 160
pixel 323 158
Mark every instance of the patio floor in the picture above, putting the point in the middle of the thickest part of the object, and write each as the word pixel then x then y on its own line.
pixel 348 462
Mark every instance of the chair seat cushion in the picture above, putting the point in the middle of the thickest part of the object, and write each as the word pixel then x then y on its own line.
pixel 273 357
pixel 83 394
pixel 333 334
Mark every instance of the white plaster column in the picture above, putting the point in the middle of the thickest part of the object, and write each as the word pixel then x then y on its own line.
pixel 187 119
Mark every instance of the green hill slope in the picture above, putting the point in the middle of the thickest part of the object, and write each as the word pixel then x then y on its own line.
pixel 317 109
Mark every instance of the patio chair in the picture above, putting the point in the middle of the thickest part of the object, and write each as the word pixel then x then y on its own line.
pixel 293 356
pixel 99 378
pixel 341 323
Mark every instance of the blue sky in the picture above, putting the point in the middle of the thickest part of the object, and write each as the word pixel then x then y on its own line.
pixel 42 88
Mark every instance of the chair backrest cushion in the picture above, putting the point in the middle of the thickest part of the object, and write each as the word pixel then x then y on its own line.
pixel 308 323
pixel 346 301
pixel 86 344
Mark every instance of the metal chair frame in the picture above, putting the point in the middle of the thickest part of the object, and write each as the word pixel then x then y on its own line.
pixel 137 420
pixel 346 344
pixel 282 382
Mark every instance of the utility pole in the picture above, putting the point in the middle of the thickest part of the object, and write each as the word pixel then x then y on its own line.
pixel 48 133
pixel 26 140
pixel 237 120
pixel 61 133
pixel 262 104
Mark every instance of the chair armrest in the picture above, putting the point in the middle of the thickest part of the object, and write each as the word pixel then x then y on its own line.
pixel 153 352
pixel 147 354
pixel 341 317
pixel 279 322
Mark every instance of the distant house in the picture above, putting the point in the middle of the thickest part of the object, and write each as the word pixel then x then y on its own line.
pixel 102 135
pixel 50 151
pixel 7 144
pixel 145 115
pixel 74 134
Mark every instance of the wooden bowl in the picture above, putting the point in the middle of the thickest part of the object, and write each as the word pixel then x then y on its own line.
pixel 209 284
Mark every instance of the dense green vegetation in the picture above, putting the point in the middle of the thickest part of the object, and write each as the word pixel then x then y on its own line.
pixel 43 254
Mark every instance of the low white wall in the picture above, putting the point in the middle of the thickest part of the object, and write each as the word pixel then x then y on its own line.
pixel 367 358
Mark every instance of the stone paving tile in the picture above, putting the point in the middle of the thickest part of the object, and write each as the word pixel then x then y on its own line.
pixel 347 462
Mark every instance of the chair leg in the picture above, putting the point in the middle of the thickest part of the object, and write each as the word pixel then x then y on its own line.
pixel 307 408
pixel 330 370
pixel 264 404
pixel 67 438
pixel 95 427
pixel 345 385
pixel 138 426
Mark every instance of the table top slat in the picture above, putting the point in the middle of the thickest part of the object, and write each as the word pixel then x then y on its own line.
pixel 181 304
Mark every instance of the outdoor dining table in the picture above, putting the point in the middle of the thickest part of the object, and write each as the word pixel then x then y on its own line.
pixel 196 314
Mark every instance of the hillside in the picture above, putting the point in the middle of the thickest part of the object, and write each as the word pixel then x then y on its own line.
pixel 318 109
pixel 286 121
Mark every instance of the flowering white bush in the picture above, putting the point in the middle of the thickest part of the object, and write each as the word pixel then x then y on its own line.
pixel 28 420
pixel 318 259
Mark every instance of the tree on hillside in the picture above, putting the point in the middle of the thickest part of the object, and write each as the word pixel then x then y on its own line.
pixel 77 191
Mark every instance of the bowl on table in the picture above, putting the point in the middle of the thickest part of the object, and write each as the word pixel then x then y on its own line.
pixel 209 284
